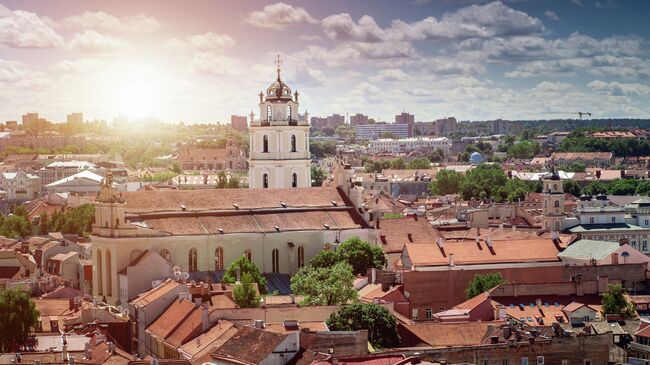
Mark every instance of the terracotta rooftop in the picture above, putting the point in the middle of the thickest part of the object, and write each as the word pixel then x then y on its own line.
pixel 213 338
pixel 581 156
pixel 189 328
pixel 153 294
pixel 473 253
pixel 197 154
pixel 450 334
pixel 249 345
pixel 171 318
pixel 395 233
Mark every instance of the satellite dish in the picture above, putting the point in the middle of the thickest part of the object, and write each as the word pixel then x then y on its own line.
pixel 119 308
pixel 407 294
pixel 185 275
pixel 176 268
pixel 126 312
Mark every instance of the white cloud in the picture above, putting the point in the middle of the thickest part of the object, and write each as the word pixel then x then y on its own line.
pixel 278 16
pixel 616 88
pixel 93 42
pixel 108 22
pixel 306 76
pixel 309 38
pixel 391 75
pixel 201 42
pixel 22 29
pixel 547 86
pixel 11 71
pixel 80 66
pixel 552 15
pixel 214 64
pixel 475 21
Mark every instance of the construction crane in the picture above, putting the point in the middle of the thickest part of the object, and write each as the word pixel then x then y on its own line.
pixel 580 114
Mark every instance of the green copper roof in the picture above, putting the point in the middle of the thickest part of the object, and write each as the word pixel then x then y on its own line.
pixel 589 249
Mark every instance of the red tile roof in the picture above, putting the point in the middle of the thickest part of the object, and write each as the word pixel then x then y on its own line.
pixel 172 318
pixel 394 233
pixel 450 334
pixel 190 328
pixel 250 345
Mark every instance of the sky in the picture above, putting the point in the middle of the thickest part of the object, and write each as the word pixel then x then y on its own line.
pixel 202 61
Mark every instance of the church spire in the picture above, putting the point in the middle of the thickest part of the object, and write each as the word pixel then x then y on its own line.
pixel 278 64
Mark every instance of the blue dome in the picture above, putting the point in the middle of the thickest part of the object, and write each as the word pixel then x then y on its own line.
pixel 475 158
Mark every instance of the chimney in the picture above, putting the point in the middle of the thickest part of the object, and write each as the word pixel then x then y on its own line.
pixel 538 302
pixel 293 298
pixel 614 258
pixel 205 317
pixel 622 174
pixel 88 354
pixel 70 359
pixel 451 260
pixel 598 174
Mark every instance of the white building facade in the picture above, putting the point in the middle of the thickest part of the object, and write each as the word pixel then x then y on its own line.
pixel 279 140
pixel 410 144
pixel 20 186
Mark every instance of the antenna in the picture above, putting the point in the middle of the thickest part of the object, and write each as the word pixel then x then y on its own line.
pixel 185 275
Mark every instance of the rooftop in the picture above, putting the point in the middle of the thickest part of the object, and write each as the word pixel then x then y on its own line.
pixel 589 249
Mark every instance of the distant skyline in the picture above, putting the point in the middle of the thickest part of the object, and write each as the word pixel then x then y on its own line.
pixel 202 61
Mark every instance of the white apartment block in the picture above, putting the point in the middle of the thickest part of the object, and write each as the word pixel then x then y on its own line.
pixel 410 144
pixel 20 186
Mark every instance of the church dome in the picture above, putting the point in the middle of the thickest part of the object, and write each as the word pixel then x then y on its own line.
pixel 278 91
pixel 475 158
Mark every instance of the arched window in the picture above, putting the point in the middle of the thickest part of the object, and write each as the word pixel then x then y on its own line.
pixel 293 143
pixel 248 255
pixel 193 260
pixel 289 112
pixel 109 274
pixel 165 254
pixel 275 260
pixel 218 258
pixel 301 256
pixel 268 113
pixel 545 203
pixel 556 204
pixel 265 180
pixel 265 144
pixel 557 226
pixel 294 180
pixel 100 273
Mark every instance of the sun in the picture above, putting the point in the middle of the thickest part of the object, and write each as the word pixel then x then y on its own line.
pixel 138 99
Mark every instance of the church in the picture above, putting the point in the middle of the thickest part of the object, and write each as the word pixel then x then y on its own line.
pixel 280 223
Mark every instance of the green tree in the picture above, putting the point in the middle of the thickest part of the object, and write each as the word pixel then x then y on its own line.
pixel 615 302
pixel 419 164
pixel 361 255
pixel 245 266
pixel 381 325
pixel 595 188
pixel 572 187
pixel 15 226
pixel 233 182
pixel 333 285
pixel 325 258
pixel 622 187
pixel 482 283
pixel 176 167
pixel 18 316
pixel 245 294
pixel 643 188
pixel 20 211
pixel 317 176
pixel 44 224
pixel 398 164
pixel 77 220
pixel 222 180
pixel 484 181
pixel 523 149
pixel 446 182
pixel 437 156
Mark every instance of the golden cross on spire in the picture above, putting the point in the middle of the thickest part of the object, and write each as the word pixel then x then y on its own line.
pixel 278 64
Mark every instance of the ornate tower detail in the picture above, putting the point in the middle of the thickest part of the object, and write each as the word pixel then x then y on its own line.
pixel 279 140
pixel 110 210
pixel 553 202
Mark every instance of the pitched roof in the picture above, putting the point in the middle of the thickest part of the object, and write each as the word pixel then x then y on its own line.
pixel 190 327
pixel 394 233
pixel 153 294
pixel 83 175
pixel 213 338
pixel 589 249
pixel 171 318
pixel 449 334
pixel 581 155
pixel 473 253
pixel 250 345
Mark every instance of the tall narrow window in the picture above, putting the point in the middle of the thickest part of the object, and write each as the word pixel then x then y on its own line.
pixel 294 180
pixel 268 113
pixel 301 257
pixel 248 255
pixel 265 144
pixel 218 258
pixel 556 204
pixel 109 274
pixel 265 181
pixel 100 273
pixel 293 143
pixel 289 112
pixel 275 258
pixel 193 260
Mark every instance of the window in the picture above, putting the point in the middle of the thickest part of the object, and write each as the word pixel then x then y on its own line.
pixel 591 220
pixel 301 256
pixel 265 180
pixel 294 180
pixel 109 274
pixel 505 362
pixel 165 254
pixel 429 313
pixel 414 313
pixel 484 362
pixel 100 273
pixel 645 245
pixel 192 260
pixel 524 361
pixel 218 258
pixel 275 260
pixel 587 362
pixel 565 362
pixel 634 243
pixel 647 222
pixel 268 113
pixel 293 143
pixel 540 360
pixel 247 254
pixel 613 219
pixel 557 225
pixel 289 112
pixel 265 144
pixel 556 204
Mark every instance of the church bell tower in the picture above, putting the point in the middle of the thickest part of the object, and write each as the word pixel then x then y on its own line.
pixel 279 140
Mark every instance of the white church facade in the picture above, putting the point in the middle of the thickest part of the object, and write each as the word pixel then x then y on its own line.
pixel 279 140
